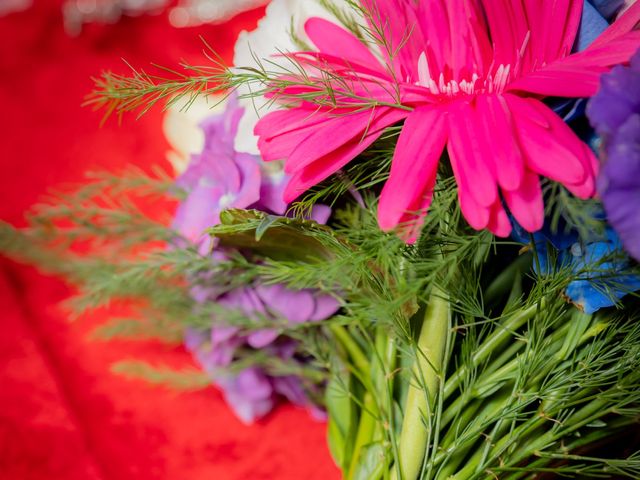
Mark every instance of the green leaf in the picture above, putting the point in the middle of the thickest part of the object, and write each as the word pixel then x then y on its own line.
pixel 596 424
pixel 372 462
pixel 266 222
pixel 339 404
pixel 336 442
pixel 277 238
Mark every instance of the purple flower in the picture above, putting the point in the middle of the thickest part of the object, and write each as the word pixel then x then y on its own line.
pixel 216 179
pixel 219 178
pixel 615 114
pixel 253 391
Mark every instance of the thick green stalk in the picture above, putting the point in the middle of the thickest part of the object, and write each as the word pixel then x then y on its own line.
pixel 342 417
pixel 382 363
pixel 389 360
pixel 421 396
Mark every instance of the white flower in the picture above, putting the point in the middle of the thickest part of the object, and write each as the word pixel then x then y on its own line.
pixel 10 6
pixel 270 37
pixel 190 13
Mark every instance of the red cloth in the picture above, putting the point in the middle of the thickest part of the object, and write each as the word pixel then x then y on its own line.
pixel 63 415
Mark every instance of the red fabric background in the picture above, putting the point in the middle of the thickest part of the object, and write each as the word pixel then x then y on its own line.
pixel 63 415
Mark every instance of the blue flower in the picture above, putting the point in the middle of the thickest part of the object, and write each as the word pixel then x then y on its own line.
pixel 595 16
pixel 599 263
pixel 607 8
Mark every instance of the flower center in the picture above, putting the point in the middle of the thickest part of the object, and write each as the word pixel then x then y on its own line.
pixel 494 82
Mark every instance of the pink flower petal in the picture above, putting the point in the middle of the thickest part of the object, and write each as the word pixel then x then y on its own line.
pixel 476 214
pixel 508 25
pixel 614 52
pixel 407 193
pixel 561 26
pixel 555 152
pixel 399 24
pixel 335 40
pixel 464 29
pixel 495 116
pixel 625 23
pixel 474 155
pixel 323 61
pixel 279 137
pixel 499 223
pixel 526 203
pixel 288 120
pixel 331 134
pixel 587 188
pixel 578 75
pixel 323 167
pixel 572 83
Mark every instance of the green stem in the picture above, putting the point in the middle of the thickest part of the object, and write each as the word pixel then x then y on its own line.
pixel 497 338
pixel 451 460
pixel 614 428
pixel 423 386
pixel 585 415
pixel 377 403
pixel 556 342
pixel 496 371
pixel 383 362
pixel 389 364
pixel 461 421
pixel 366 429
pixel 359 358
pixel 562 343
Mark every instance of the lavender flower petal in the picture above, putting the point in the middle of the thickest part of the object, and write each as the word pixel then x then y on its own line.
pixel 615 114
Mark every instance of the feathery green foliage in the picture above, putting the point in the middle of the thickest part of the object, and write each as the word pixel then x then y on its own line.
pixel 497 375
pixel 526 383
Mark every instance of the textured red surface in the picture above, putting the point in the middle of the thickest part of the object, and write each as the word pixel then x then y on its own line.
pixel 63 415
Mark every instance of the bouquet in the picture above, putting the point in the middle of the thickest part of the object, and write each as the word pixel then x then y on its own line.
pixel 417 219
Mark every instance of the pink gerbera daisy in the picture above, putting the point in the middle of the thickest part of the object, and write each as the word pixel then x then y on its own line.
pixel 465 75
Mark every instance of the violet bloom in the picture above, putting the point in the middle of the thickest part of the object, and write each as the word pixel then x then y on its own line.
pixel 219 178
pixel 615 114
pixel 253 392
pixel 216 179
